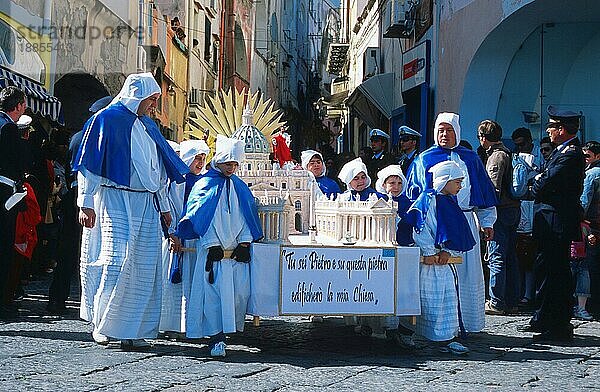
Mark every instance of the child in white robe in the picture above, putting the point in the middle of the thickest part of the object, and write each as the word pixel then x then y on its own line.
pixel 179 266
pixel 441 231
pixel 221 212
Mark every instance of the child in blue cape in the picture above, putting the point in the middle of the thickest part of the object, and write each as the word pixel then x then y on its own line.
pixel 441 231
pixel 354 175
pixel 313 162
pixel 391 182
pixel 178 267
pixel 221 213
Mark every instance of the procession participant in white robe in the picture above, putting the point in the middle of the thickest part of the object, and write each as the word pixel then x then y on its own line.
pixel 441 230
pixel 391 182
pixel 477 199
pixel 221 213
pixel 355 175
pixel 312 161
pixel 179 259
pixel 123 165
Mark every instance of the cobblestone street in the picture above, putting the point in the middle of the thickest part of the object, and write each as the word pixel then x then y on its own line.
pixel 41 352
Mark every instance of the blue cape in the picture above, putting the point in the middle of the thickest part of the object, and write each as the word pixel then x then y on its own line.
pixel 202 204
pixel 365 193
pixel 483 193
pixel 404 229
pixel 106 146
pixel 328 186
pixel 190 181
pixel 453 231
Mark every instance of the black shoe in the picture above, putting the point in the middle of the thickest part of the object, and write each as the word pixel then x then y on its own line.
pixel 57 309
pixel 554 336
pixel 9 312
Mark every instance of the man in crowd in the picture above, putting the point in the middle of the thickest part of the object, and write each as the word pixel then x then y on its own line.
pixel 504 270
pixel 546 148
pixel 409 147
pixel 12 169
pixel 477 196
pixel 381 157
pixel 525 245
pixel 590 201
pixel 557 218
pixel 124 165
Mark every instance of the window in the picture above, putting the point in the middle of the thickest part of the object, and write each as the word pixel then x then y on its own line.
pixel 283 185
pixel 297 184
pixel 250 167
pixel 272 184
pixel 298 205
pixel 207 36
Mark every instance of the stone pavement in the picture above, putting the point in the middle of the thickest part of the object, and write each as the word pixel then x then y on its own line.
pixel 41 352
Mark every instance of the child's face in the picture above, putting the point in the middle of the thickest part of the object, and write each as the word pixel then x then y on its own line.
pixel 197 164
pixel 315 166
pixel 228 168
pixel 453 187
pixel 359 182
pixel 393 185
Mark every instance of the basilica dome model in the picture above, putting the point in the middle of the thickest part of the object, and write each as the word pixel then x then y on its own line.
pixel 267 181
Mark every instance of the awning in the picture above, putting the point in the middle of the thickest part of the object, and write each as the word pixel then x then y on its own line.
pixel 373 100
pixel 38 98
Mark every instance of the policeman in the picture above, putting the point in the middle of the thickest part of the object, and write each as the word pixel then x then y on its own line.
pixel 556 222
pixel 381 157
pixel 409 147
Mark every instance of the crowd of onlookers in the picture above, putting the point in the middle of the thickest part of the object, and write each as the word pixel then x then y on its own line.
pixel 39 158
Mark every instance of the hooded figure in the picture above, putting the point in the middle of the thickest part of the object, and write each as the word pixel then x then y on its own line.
pixel 477 196
pixel 124 165
pixel 178 266
pixel 221 213
pixel 355 175
pixel 312 161
pixel 387 179
pixel 441 230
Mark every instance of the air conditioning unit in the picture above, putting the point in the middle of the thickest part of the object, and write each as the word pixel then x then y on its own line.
pixel 397 19
pixel 371 61
pixel 141 59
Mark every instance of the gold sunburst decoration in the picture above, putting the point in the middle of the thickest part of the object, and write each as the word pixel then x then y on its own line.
pixel 222 114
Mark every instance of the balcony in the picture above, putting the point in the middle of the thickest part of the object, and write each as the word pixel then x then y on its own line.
pixel 336 58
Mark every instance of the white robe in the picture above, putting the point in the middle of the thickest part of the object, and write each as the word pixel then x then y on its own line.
pixel 120 256
pixel 172 315
pixel 221 306
pixel 470 271
pixel 439 305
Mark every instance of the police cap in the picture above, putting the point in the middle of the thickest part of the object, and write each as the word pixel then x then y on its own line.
pixel 565 117
pixel 378 133
pixel 408 131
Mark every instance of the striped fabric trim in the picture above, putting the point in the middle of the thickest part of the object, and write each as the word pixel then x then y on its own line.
pixel 38 98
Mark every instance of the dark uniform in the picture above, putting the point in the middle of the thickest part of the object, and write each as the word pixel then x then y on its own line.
pixel 556 222
pixel 12 166
pixel 383 158
pixel 407 133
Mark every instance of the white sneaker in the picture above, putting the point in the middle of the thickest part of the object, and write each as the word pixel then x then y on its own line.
pixel 582 314
pixel 99 338
pixel 455 348
pixel 218 350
